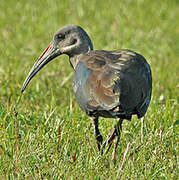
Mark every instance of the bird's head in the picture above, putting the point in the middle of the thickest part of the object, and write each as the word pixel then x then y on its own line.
pixel 71 40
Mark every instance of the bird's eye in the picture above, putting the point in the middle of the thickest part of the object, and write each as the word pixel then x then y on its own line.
pixel 60 36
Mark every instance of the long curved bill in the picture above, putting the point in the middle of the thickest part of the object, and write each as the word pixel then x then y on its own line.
pixel 50 53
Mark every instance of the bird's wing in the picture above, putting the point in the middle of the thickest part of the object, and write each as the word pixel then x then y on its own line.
pixel 117 79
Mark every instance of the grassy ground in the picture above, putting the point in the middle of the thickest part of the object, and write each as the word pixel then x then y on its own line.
pixel 43 133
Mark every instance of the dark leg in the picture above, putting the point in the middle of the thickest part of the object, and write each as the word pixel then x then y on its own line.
pixel 110 139
pixel 97 134
pixel 114 133
pixel 118 134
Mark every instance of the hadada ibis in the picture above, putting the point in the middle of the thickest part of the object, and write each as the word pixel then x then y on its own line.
pixel 110 84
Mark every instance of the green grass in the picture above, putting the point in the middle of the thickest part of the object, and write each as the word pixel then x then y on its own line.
pixel 43 132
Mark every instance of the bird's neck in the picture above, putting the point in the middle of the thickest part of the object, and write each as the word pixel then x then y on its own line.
pixel 74 60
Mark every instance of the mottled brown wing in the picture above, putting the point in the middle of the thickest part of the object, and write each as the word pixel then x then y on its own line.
pixel 118 79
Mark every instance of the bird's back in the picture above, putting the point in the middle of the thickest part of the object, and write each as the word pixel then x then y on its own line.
pixel 113 83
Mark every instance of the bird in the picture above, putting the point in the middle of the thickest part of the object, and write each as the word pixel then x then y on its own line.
pixel 106 83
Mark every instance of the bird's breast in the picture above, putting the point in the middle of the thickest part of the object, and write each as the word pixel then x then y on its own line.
pixel 81 75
